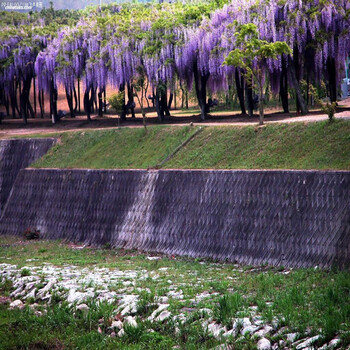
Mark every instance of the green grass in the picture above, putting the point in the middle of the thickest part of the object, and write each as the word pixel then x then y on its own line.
pixel 320 145
pixel 117 148
pixel 300 299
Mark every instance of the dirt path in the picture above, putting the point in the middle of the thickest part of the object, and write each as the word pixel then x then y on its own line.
pixel 10 128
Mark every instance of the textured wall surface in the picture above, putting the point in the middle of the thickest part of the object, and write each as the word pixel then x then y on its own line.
pixel 15 155
pixel 291 218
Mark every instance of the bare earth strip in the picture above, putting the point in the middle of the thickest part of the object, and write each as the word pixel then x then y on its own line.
pixel 15 127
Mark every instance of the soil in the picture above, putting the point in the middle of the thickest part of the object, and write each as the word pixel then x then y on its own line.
pixel 14 127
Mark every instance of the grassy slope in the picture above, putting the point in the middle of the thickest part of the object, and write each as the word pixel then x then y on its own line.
pixel 320 145
pixel 117 148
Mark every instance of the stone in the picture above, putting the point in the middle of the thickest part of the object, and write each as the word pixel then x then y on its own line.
pixel 17 304
pixel 130 321
pixel 117 324
pixel 264 344
pixel 176 295
pixel 121 333
pixel 83 307
pixel 30 294
pixel 160 308
pixel 331 345
pixel 262 332
pixel 216 329
pixel 43 291
pixel 113 334
pixel 307 342
pixel 162 300
pixel 249 329
pixel 163 316
pixel 291 337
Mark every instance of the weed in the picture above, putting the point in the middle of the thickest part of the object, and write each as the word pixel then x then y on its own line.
pixel 228 307
pixel 25 272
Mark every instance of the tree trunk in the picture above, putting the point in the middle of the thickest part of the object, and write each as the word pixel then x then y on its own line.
pixel 261 105
pixel 79 95
pixel 124 109
pixel 284 86
pixel 299 94
pixel 240 90
pixel 131 100
pixel 332 79
pixel 159 109
pixel 69 96
pixel 53 102
pixel 100 104
pixel 7 104
pixel 75 100
pixel 171 98
pixel 13 99
pixel 34 91
pixel 87 103
pixel 249 96
pixel 41 104
pixel 104 100
pixel 200 82
pixel 164 102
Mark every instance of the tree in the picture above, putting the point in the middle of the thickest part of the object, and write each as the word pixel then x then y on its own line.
pixel 251 55
pixel 140 88
pixel 116 101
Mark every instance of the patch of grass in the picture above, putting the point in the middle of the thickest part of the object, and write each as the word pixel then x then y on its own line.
pixel 300 299
pixel 118 148
pixel 229 305
pixel 25 272
pixel 319 145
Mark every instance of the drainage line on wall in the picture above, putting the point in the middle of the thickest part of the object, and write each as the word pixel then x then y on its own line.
pixel 177 149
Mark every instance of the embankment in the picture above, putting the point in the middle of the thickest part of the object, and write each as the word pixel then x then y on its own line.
pixel 290 218
pixel 15 155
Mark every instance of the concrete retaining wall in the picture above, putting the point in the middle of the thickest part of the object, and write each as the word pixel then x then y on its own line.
pixel 291 218
pixel 15 155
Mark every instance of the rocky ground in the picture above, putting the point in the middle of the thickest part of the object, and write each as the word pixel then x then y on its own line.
pixel 150 300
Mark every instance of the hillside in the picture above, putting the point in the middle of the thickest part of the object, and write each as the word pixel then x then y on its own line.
pixel 320 145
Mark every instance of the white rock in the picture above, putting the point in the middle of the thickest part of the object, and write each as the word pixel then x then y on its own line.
pixel 129 309
pixel 176 295
pixel 121 333
pixel 163 269
pixel 17 292
pixel 161 308
pixel 331 345
pixel 162 300
pixel 229 333
pixel 163 316
pixel 262 332
pixel 30 294
pixel 117 324
pixel 216 329
pixel 249 329
pixel 17 304
pixel 292 336
pixel 43 291
pixel 264 344
pixel 83 308
pixel 153 258
pixel 307 342
pixel 130 321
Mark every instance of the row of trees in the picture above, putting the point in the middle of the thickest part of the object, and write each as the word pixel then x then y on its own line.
pixel 143 47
